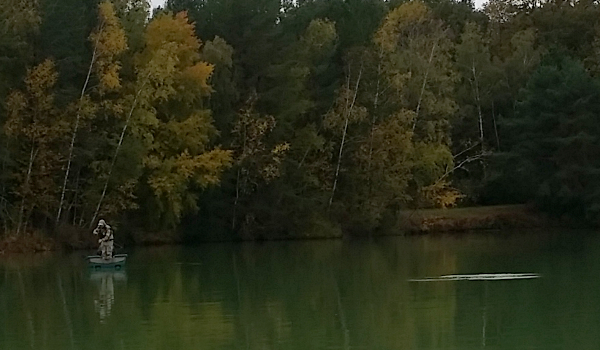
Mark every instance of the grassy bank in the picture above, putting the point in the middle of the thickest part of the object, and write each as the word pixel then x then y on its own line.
pixel 472 219
pixel 409 222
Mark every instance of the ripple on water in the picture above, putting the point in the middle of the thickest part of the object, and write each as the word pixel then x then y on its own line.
pixel 313 295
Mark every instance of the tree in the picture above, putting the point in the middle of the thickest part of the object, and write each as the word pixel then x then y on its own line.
pixel 287 84
pixel 457 14
pixel 249 26
pixel 568 27
pixel 515 67
pixel 415 51
pixel 225 94
pixel 63 35
pixel 593 60
pixel 293 94
pixel 37 127
pixel 556 138
pixel 133 16
pixel 385 164
pixel 418 57
pixel 257 164
pixel 166 115
pixel 20 22
pixel 344 112
pixel 475 129
pixel 474 63
pixel 108 40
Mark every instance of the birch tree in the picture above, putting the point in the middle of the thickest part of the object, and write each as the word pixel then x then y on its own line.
pixel 36 126
pixel 473 61
pixel 346 111
pixel 108 41
pixel 416 60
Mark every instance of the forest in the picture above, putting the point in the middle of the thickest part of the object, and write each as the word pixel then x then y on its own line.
pixel 259 119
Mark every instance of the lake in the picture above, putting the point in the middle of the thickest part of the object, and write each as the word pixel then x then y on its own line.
pixel 330 294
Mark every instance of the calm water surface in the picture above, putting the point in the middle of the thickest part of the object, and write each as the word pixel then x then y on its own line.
pixel 312 295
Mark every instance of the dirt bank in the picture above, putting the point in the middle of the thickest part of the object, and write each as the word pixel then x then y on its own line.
pixel 472 219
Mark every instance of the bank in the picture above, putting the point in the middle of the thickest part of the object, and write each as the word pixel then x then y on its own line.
pixel 409 222
pixel 423 221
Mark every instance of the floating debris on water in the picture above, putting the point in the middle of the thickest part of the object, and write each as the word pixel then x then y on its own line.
pixel 479 277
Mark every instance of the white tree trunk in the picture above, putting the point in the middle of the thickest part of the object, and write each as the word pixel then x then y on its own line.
pixel 495 126
pixel 112 164
pixel 32 155
pixel 423 87
pixel 74 135
pixel 347 113
pixel 478 101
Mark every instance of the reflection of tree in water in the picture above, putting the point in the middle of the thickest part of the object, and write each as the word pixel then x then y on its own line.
pixel 105 280
pixel 309 295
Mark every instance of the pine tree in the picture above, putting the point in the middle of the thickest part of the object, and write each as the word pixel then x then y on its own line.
pixel 557 137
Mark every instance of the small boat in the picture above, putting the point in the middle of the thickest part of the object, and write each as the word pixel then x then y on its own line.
pixel 116 262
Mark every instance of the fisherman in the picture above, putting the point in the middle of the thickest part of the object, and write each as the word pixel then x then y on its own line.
pixel 106 239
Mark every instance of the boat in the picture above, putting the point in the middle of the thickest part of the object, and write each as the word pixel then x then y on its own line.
pixel 117 262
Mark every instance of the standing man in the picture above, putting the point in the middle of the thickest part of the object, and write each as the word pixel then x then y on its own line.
pixel 106 239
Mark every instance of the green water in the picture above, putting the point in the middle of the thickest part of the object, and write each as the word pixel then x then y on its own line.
pixel 312 295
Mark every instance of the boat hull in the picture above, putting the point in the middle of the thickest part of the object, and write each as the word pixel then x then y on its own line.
pixel 117 262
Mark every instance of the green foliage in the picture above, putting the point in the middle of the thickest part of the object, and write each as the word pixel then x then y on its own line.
pixel 556 135
pixel 64 31
pixel 385 164
pixel 257 163
pixel 416 59
pixel 593 60
pixel 225 93
pixel 19 20
pixel 171 121
pixel 108 42
pixel 37 128
pixel 473 61
pixel 292 115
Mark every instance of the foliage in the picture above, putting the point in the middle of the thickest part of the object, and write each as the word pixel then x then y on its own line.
pixel 268 118
pixel 37 129
pixel 416 52
pixel 556 131
pixel 108 41
pixel 171 123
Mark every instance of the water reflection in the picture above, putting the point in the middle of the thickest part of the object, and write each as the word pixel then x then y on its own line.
pixel 311 295
pixel 105 298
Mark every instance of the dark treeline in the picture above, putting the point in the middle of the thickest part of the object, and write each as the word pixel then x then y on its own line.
pixel 276 118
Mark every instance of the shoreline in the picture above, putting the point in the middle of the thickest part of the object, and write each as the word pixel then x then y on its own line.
pixel 499 217
pixel 409 223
